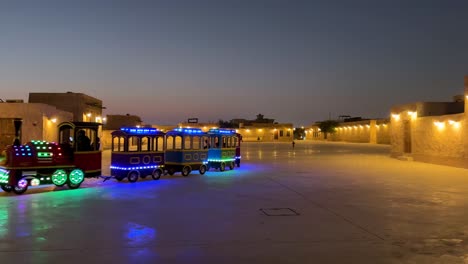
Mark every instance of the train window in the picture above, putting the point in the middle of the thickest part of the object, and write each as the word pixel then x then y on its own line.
pixel 206 142
pixel 187 141
pixel 86 140
pixel 178 142
pixel 133 143
pixel 234 141
pixel 170 142
pixel 145 144
pixel 216 142
pixel 117 144
pixel 196 142
pixel 160 144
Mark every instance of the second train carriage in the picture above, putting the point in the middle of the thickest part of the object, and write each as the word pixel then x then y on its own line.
pixel 137 152
pixel 185 151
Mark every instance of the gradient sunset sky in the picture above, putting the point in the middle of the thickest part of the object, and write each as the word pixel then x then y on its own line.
pixel 295 61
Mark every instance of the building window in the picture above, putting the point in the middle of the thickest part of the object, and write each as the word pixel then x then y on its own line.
pixel 288 133
pixel 281 133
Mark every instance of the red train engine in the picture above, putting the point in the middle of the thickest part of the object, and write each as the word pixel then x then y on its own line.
pixel 41 162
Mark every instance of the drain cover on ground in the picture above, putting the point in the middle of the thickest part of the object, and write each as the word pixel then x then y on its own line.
pixel 279 212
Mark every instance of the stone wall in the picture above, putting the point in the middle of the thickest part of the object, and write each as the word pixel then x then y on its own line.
pixel 435 139
pixel 39 120
pixel 365 131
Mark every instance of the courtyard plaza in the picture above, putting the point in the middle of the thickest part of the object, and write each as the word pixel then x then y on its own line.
pixel 316 203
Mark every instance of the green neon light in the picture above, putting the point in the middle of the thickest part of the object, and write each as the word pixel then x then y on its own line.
pixel 44 154
pixel 76 176
pixel 221 160
pixel 4 175
pixel 59 177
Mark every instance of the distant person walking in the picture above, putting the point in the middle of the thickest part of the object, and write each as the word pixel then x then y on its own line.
pixel 293 144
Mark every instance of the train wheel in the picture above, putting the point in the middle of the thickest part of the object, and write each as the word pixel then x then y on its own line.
pixel 6 188
pixel 156 174
pixel 231 165
pixel 202 169
pixel 59 178
pixel 186 171
pixel 133 176
pixel 171 171
pixel 21 186
pixel 75 178
pixel 222 166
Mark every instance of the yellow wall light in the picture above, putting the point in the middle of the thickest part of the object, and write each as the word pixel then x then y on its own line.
pixel 439 125
pixel 396 117
pixel 455 124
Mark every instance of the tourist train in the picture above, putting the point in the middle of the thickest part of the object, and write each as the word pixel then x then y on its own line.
pixel 135 153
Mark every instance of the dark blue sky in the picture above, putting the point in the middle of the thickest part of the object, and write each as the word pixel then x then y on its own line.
pixel 295 61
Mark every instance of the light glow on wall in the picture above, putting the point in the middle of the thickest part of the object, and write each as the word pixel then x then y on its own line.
pixel 455 124
pixel 54 120
pixel 396 117
pixel 439 125
pixel 412 114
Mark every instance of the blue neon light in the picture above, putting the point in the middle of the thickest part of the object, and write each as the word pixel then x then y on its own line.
pixel 189 130
pixel 137 130
pixel 222 131
pixel 136 168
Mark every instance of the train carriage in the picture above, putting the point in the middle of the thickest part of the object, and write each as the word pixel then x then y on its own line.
pixel 222 148
pixel 185 151
pixel 137 153
pixel 40 162
pixel 238 149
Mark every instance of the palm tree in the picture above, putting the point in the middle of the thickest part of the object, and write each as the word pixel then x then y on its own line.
pixel 327 127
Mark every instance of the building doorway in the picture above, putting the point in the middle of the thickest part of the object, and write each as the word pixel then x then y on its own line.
pixel 407 136
pixel 7 132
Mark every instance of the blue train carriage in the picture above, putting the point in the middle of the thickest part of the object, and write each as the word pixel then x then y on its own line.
pixel 222 148
pixel 185 151
pixel 137 153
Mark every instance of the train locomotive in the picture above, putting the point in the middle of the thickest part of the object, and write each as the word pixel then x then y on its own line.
pixel 67 162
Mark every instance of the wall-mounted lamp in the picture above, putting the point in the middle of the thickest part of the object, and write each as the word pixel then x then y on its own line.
pixel 396 117
pixel 439 125
pixel 455 124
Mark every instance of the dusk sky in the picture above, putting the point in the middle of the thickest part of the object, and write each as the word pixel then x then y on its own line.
pixel 294 61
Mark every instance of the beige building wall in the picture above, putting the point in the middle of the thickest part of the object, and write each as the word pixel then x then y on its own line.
pixel 39 120
pixel 365 131
pixel 83 107
pixel 438 136
pixel 267 133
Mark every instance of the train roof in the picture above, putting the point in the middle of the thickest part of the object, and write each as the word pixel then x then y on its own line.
pixel 186 131
pixel 222 131
pixel 138 131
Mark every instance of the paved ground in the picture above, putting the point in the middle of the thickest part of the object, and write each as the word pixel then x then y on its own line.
pixel 355 205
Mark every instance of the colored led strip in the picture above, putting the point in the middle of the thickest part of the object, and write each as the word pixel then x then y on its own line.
pixel 136 130
pixel 135 168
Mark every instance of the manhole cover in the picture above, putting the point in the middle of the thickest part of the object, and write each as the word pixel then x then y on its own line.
pixel 279 212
